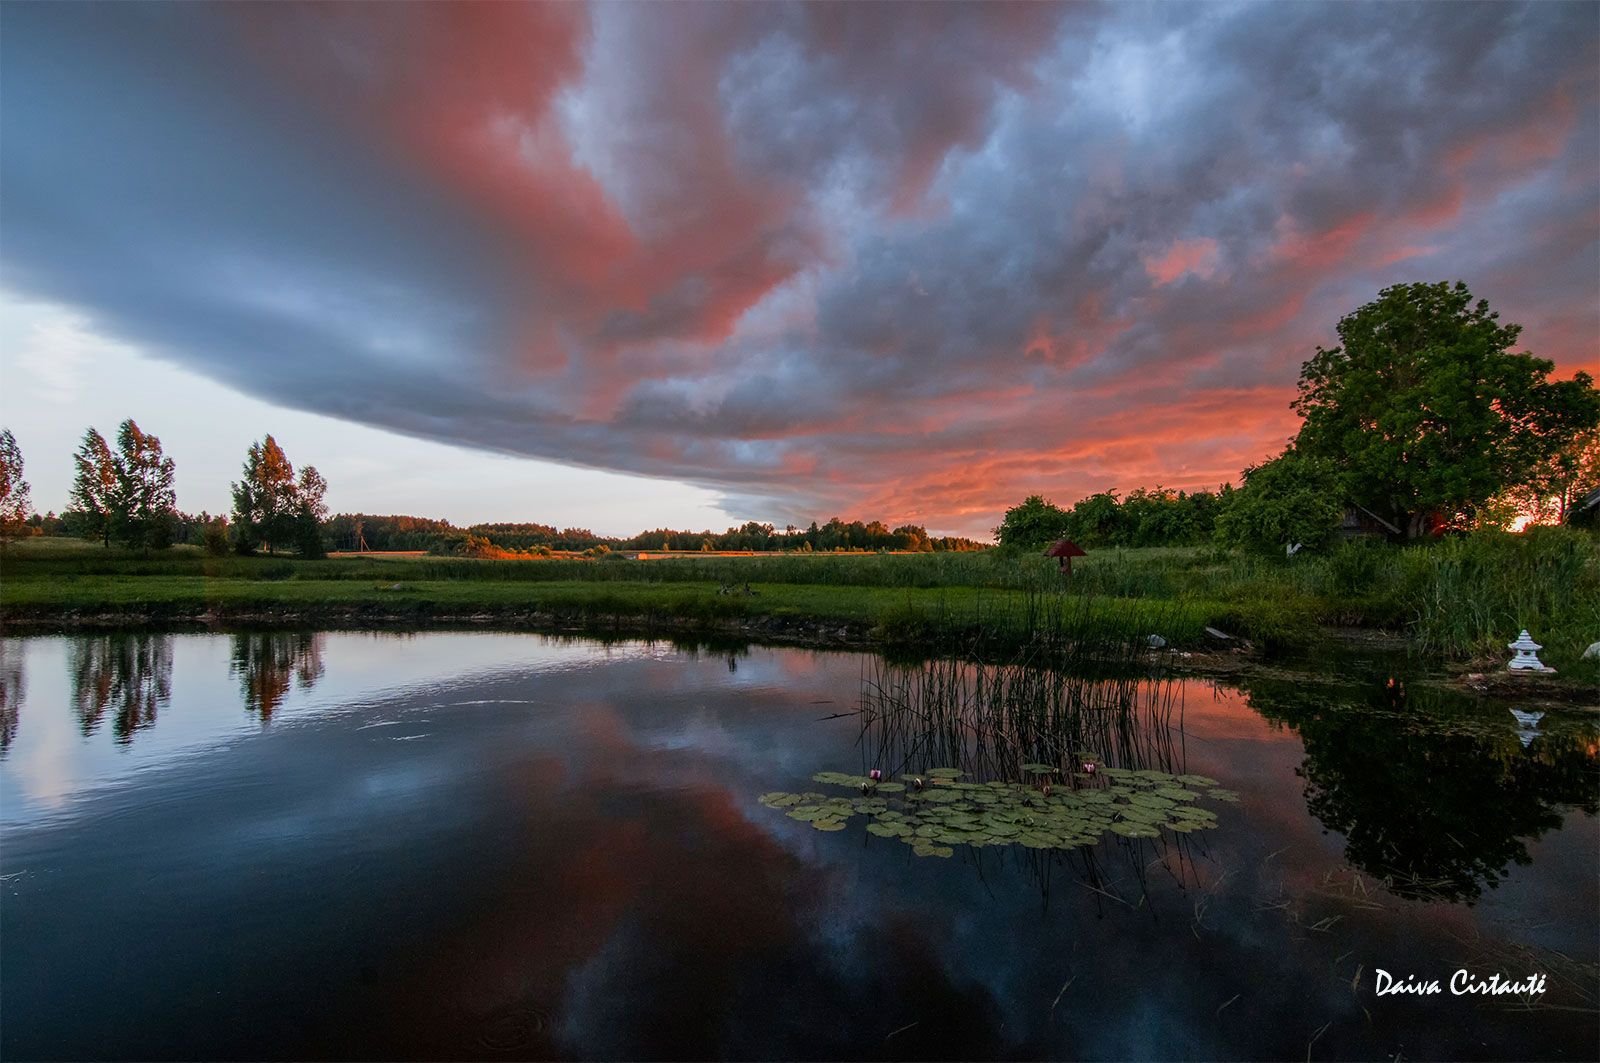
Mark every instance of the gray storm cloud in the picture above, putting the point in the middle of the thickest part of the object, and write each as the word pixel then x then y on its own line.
pixel 895 260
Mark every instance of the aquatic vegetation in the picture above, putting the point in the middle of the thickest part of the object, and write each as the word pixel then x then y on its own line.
pixel 1016 720
pixel 1022 744
pixel 949 808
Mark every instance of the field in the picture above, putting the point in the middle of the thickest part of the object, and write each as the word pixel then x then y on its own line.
pixel 1461 599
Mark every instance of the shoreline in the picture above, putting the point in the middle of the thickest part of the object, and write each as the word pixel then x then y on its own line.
pixel 1179 661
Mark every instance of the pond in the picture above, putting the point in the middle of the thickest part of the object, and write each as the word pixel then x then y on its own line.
pixel 489 845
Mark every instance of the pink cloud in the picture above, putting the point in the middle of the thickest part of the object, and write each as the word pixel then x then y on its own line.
pixel 1197 256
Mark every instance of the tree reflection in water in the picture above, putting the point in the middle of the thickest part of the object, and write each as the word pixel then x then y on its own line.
pixel 128 674
pixel 269 663
pixel 11 691
pixel 1431 796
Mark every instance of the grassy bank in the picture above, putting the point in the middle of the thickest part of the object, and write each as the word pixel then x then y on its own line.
pixel 62 585
pixel 1461 598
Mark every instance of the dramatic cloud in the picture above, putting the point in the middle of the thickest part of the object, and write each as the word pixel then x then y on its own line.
pixel 896 261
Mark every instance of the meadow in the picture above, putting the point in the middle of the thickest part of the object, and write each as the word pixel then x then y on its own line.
pixel 1460 599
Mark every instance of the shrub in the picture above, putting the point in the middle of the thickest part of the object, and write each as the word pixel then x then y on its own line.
pixel 215 539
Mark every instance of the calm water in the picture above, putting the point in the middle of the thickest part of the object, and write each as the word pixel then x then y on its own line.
pixel 496 846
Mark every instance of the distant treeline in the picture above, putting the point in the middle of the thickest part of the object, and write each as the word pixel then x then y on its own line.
pixel 358 531
pixel 185 528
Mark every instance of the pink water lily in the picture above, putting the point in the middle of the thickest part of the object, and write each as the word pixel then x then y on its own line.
pixel 875 775
pixel 1088 767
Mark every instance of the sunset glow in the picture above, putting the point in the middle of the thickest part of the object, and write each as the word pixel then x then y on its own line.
pixel 896 262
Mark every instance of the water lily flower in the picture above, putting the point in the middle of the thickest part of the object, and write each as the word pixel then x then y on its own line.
pixel 917 782
pixel 1088 767
pixel 875 775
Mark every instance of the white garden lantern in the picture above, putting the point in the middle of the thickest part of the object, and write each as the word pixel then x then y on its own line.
pixel 1525 654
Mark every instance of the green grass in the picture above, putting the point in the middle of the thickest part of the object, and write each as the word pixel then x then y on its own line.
pixel 1461 598
pixel 58 584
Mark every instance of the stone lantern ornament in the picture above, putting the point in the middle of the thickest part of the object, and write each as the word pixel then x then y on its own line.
pixel 1525 655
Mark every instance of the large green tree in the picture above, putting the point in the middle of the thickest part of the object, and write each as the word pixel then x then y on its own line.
pixel 94 486
pixel 1427 413
pixel 272 508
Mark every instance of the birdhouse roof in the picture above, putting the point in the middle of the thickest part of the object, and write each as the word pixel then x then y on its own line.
pixel 1065 548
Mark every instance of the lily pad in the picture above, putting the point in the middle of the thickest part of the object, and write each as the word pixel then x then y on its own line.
pixel 947 812
pixel 1129 829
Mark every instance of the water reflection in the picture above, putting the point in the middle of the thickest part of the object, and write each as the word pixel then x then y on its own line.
pixel 11 692
pixel 269 663
pixel 991 720
pixel 1437 802
pixel 126 674
pixel 478 845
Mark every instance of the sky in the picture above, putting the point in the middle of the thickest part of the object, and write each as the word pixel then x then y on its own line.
pixel 626 266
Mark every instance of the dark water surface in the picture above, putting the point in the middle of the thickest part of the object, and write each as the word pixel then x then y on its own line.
pixel 489 845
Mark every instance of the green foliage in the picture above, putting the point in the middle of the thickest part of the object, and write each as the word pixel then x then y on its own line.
pixel 93 488
pixel 939 809
pixel 1158 516
pixel 1558 483
pixel 1471 595
pixel 1461 597
pixel 350 530
pixel 1426 412
pixel 1032 525
pixel 143 503
pixel 15 505
pixel 215 538
pixel 1290 499
pixel 1097 521
pixel 272 508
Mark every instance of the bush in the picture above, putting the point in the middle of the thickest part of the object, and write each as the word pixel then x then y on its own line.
pixel 308 538
pixel 215 539
pixel 1290 499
